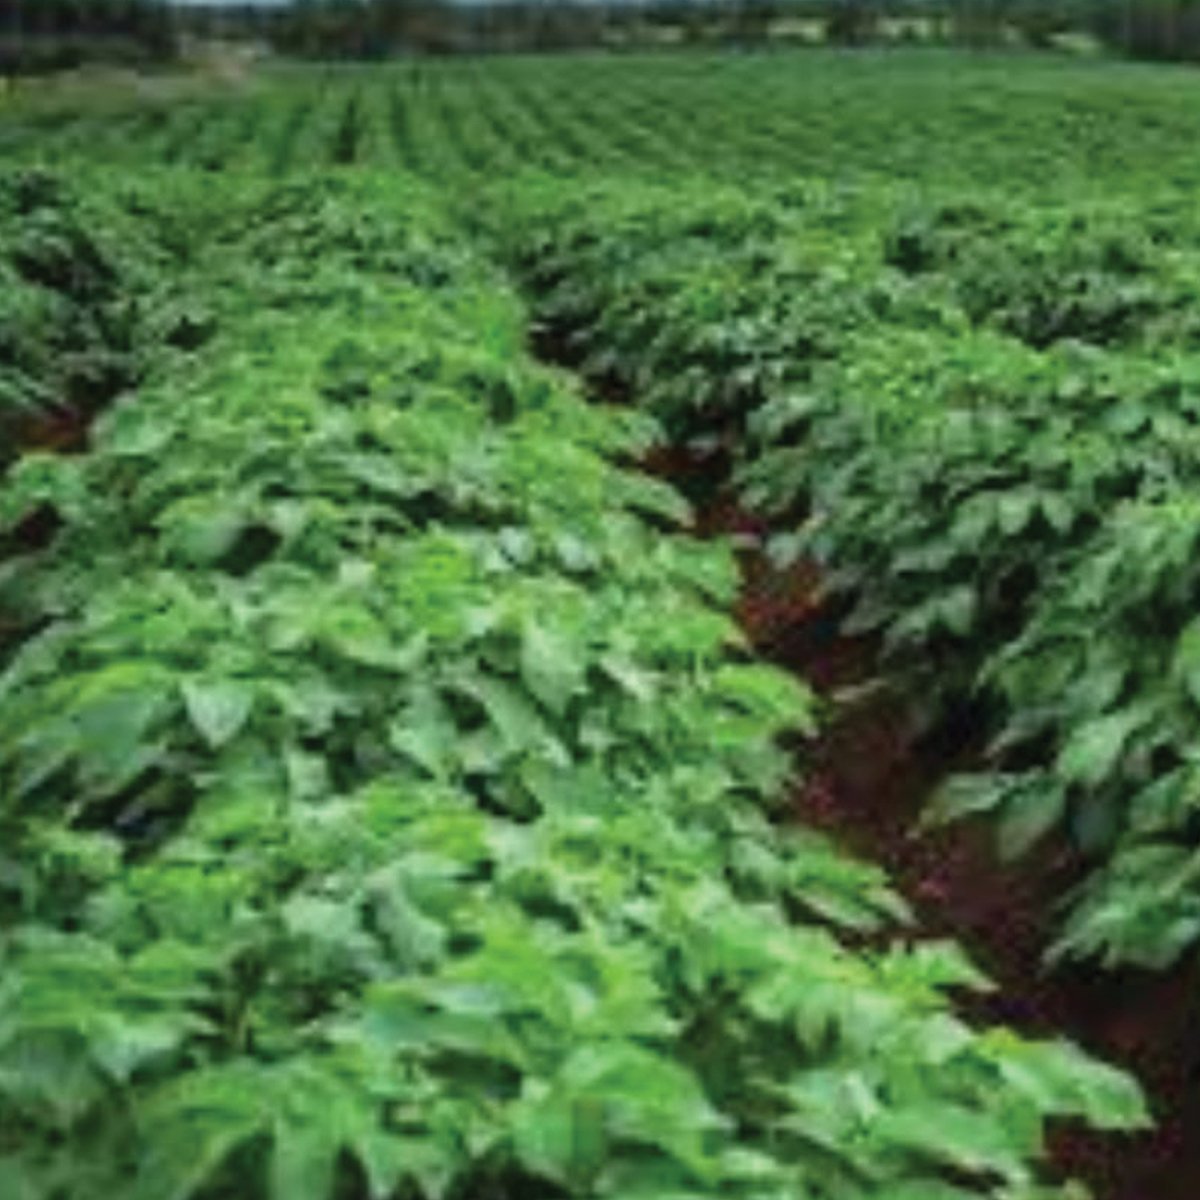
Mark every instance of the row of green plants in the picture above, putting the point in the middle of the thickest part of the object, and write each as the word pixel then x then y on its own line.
pixel 385 790
pixel 72 275
pixel 982 420
pixel 1036 124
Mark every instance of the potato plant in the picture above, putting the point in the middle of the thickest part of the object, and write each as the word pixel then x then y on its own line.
pixel 387 794
pixel 957 407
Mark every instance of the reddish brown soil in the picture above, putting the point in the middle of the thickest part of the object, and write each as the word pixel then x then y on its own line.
pixel 63 432
pixel 867 780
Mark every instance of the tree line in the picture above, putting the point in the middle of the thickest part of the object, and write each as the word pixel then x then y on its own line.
pixel 52 34
pixel 47 35
pixel 370 28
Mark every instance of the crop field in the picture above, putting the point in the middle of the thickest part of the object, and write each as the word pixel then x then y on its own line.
pixel 603 627
pixel 931 117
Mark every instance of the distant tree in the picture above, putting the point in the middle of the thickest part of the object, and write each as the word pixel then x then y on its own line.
pixel 979 23
pixel 1159 29
pixel 41 35
pixel 750 20
pixel 851 22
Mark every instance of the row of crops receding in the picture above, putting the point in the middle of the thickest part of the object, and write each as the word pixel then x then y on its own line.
pixel 386 791
pixel 982 420
pixel 68 310
pixel 390 805
pixel 1021 123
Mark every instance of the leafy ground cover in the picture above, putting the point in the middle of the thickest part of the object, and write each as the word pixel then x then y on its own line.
pixel 386 791
pixel 389 801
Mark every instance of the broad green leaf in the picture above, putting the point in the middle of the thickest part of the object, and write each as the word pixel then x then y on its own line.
pixel 930 1189
pixel 388 1159
pixel 1094 749
pixel 303 1159
pixel 552 665
pixel 45 1071
pixel 415 938
pixel 355 632
pixel 966 796
pixel 518 724
pixel 1015 510
pixel 25 1179
pixel 121 1044
pixel 959 1138
pixel 42 479
pixel 1031 810
pixel 1187 659
pixel 200 531
pixel 560 1137
pixel 773 695
pixel 219 708
pixel 1060 1078
pixel 957 610
pixel 425 731
pixel 657 1179
pixel 190 1127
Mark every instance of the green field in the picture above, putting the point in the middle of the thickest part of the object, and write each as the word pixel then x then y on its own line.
pixel 933 117
pixel 395 800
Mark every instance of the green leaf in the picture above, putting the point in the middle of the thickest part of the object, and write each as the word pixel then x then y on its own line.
pixel 1187 659
pixel 333 922
pixel 940 964
pixel 1058 511
pixel 43 479
pixel 520 727
pixel 219 708
pixel 929 1189
pixel 1030 811
pixel 416 939
pixel 116 710
pixel 121 1045
pixel 200 531
pixel 778 698
pixel 354 632
pixel 190 1128
pixel 425 731
pixel 24 1180
pixel 661 1179
pixel 560 1137
pixel 388 1159
pixel 957 609
pixel 1060 1078
pixel 957 1137
pixel 632 678
pixel 303 1160
pixel 552 666
pixel 964 796
pixel 44 1071
pixel 647 1097
pixel 1015 510
pixel 1094 749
